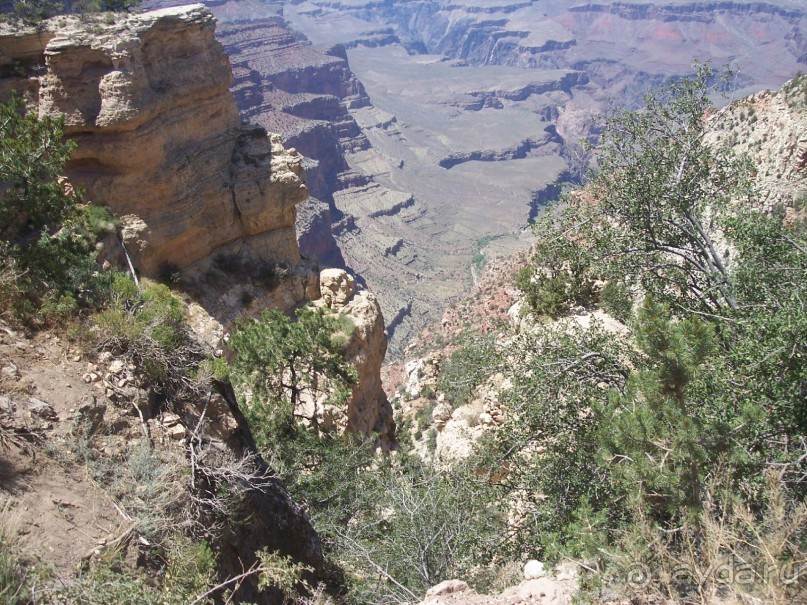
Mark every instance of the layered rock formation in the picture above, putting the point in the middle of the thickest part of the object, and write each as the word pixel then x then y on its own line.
pixel 447 94
pixel 159 136
pixel 409 233
pixel 308 94
pixel 160 141
pixel 642 36
pixel 368 411
pixel 303 94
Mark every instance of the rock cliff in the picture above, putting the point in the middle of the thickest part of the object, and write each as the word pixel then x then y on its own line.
pixel 309 95
pixel 560 33
pixel 159 136
pixel 369 410
pixel 160 141
pixel 302 93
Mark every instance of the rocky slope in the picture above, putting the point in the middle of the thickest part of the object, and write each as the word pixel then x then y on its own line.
pixel 771 128
pixel 395 227
pixel 406 166
pixel 159 140
pixel 536 589
pixel 302 94
pixel 308 95
pixel 768 128
pixel 499 92
pixel 95 462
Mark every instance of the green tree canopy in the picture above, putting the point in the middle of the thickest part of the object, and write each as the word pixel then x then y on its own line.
pixel 47 238
pixel 280 360
pixel 33 153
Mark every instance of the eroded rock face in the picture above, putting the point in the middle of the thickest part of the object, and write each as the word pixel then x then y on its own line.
pixel 159 136
pixel 302 93
pixel 771 127
pixel 368 411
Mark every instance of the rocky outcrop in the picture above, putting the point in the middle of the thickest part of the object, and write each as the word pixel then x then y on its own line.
pixel 538 588
pixel 368 410
pixel 771 127
pixel 307 94
pixel 302 93
pixel 159 136
pixel 530 146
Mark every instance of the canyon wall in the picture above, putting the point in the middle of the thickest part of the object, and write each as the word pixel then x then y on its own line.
pixel 202 195
pixel 308 95
pixel 625 45
pixel 146 97
pixel 303 94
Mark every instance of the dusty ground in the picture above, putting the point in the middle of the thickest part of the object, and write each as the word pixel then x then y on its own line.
pixel 56 417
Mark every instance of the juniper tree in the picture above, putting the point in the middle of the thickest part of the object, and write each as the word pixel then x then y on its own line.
pixel 664 432
pixel 46 237
pixel 280 361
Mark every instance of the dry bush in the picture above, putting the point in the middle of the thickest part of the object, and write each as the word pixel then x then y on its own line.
pixel 728 553
pixel 13 569
pixel 10 292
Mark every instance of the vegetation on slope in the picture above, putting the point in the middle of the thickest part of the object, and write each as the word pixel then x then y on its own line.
pixel 693 422
pixel 653 448
pixel 675 448
pixel 35 11
pixel 177 502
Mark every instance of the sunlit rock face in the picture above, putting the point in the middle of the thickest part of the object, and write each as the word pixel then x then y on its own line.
pixel 147 99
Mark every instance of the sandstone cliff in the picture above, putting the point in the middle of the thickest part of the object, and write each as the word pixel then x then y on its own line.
pixel 310 96
pixel 160 141
pixel 284 84
pixel 159 136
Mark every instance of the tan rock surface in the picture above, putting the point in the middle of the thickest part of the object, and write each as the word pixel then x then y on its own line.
pixel 771 127
pixel 368 411
pixel 159 137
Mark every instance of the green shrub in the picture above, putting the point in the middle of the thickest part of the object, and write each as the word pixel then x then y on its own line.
pixel 341 336
pixel 560 275
pixel 150 329
pixel 617 301
pixel 47 238
pixel 279 360
pixel 473 362
pixel 100 220
pixel 186 574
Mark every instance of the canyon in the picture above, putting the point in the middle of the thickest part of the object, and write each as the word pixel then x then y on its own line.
pixel 407 142
pixel 205 203
pixel 433 132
